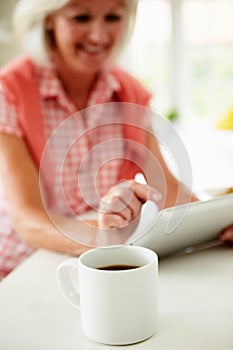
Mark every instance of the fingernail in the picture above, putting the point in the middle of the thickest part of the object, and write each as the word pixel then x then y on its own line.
pixel 156 196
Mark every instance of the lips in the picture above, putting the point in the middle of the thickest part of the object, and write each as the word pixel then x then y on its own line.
pixel 93 49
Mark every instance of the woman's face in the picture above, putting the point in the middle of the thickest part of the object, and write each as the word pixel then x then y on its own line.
pixel 85 32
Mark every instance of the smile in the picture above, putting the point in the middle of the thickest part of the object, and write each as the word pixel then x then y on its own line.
pixel 91 49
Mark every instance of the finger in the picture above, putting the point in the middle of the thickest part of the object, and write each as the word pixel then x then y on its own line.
pixel 146 192
pixel 135 207
pixel 113 204
pixel 111 220
pixel 227 234
pixel 132 204
pixel 118 206
pixel 124 191
pixel 117 197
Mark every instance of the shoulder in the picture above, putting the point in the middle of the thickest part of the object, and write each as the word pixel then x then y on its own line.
pixel 131 90
pixel 17 75
pixel 20 65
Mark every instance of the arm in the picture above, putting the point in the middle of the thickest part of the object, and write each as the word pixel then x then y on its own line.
pixel 160 177
pixel 123 205
pixel 21 182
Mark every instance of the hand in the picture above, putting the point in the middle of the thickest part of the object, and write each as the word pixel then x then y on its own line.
pixel 123 202
pixel 227 235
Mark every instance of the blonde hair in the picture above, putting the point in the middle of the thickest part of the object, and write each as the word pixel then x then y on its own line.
pixel 35 39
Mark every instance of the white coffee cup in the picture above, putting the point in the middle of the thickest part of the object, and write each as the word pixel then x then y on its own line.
pixel 117 307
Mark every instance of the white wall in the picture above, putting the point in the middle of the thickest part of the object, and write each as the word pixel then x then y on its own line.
pixel 8 45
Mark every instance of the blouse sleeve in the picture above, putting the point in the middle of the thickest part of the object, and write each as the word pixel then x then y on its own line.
pixel 8 116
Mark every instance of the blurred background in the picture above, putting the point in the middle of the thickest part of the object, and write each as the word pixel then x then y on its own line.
pixel 185 55
pixel 182 50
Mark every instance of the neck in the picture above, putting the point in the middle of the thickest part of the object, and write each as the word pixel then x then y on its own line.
pixel 77 85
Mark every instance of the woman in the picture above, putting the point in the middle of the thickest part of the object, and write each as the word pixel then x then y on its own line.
pixel 68 46
pixel 70 49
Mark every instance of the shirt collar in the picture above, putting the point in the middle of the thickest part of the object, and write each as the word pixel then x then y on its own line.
pixel 103 89
pixel 49 84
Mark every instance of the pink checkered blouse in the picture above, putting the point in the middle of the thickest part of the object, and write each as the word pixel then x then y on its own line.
pixel 56 107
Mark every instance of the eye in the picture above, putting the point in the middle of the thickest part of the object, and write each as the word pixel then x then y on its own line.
pixel 82 18
pixel 111 17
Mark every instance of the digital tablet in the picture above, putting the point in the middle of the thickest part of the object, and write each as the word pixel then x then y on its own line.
pixel 184 226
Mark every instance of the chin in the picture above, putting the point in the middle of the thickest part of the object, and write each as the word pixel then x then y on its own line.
pixel 91 67
pixel 94 63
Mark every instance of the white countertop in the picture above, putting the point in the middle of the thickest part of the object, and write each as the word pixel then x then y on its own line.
pixel 195 306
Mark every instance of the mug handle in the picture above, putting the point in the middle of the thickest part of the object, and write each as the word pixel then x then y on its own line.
pixel 65 282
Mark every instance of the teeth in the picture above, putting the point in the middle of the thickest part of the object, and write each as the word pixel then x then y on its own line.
pixel 94 49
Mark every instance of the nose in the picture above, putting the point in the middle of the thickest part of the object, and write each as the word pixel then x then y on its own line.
pixel 97 33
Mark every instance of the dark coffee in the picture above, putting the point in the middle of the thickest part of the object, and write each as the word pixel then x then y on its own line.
pixel 118 267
